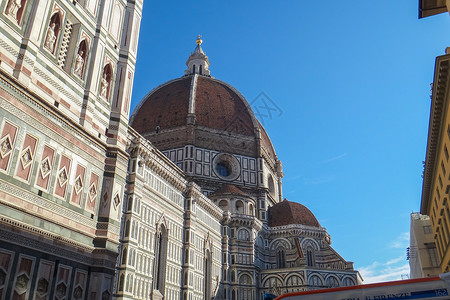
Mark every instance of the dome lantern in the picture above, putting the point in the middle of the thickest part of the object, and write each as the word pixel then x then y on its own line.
pixel 197 62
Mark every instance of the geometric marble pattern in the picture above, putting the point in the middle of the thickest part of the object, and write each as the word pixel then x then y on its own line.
pixel 116 201
pixel 5 146
pixel 62 177
pixel 92 192
pixel 26 158
pixel 45 168
pixel 78 185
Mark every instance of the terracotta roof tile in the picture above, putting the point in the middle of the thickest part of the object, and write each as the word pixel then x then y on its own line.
pixel 287 213
pixel 266 142
pixel 166 107
pixel 219 107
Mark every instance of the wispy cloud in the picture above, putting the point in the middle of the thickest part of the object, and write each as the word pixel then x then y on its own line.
pixel 334 158
pixel 391 269
pixel 318 180
pixel 401 242
pixel 395 260
pixel 388 271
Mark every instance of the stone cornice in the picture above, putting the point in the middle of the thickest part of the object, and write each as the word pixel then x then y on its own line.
pixel 147 154
pixel 242 220
pixel 204 202
pixel 438 112
pixel 296 230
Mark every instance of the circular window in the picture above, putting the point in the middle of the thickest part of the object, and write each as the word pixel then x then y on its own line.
pixel 226 166
pixel 223 169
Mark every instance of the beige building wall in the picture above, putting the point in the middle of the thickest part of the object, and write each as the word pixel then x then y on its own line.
pixel 436 184
pixel 423 258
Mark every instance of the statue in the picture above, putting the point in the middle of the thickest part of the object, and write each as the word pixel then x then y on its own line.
pixel 50 38
pixel 104 86
pixel 13 8
pixel 79 63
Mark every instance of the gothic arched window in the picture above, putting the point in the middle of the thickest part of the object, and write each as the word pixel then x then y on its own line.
pixel 245 280
pixel 294 280
pixel 332 282
pixel 281 258
pixel 310 257
pixel 239 207
pixel 315 280
pixel 130 203
pixel 124 256
pixel 121 282
pixel 348 282
pixel 223 204
pixel 243 235
pixel 127 228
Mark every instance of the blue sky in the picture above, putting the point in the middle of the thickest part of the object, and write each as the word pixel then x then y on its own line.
pixel 351 80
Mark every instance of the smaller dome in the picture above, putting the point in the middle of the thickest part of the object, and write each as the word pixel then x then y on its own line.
pixel 287 213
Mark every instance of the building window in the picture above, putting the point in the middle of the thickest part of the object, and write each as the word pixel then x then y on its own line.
pixel 223 169
pixel 348 282
pixel 239 207
pixel 311 261
pixel 243 235
pixel 124 256
pixel 427 229
pixel 315 280
pixel 223 204
pixel 251 210
pixel 127 228
pixel 121 282
pixel 281 259
pixel 332 282
pixel 446 152
pixel 432 254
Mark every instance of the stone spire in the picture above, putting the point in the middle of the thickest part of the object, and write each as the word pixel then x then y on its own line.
pixel 198 62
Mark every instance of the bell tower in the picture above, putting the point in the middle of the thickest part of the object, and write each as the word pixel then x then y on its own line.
pixel 66 74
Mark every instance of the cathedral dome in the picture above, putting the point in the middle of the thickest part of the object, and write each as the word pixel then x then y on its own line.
pixel 197 109
pixel 288 213
pixel 193 99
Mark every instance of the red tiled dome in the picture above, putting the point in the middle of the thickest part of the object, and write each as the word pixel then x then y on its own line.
pixel 166 106
pixel 287 213
pixel 214 104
